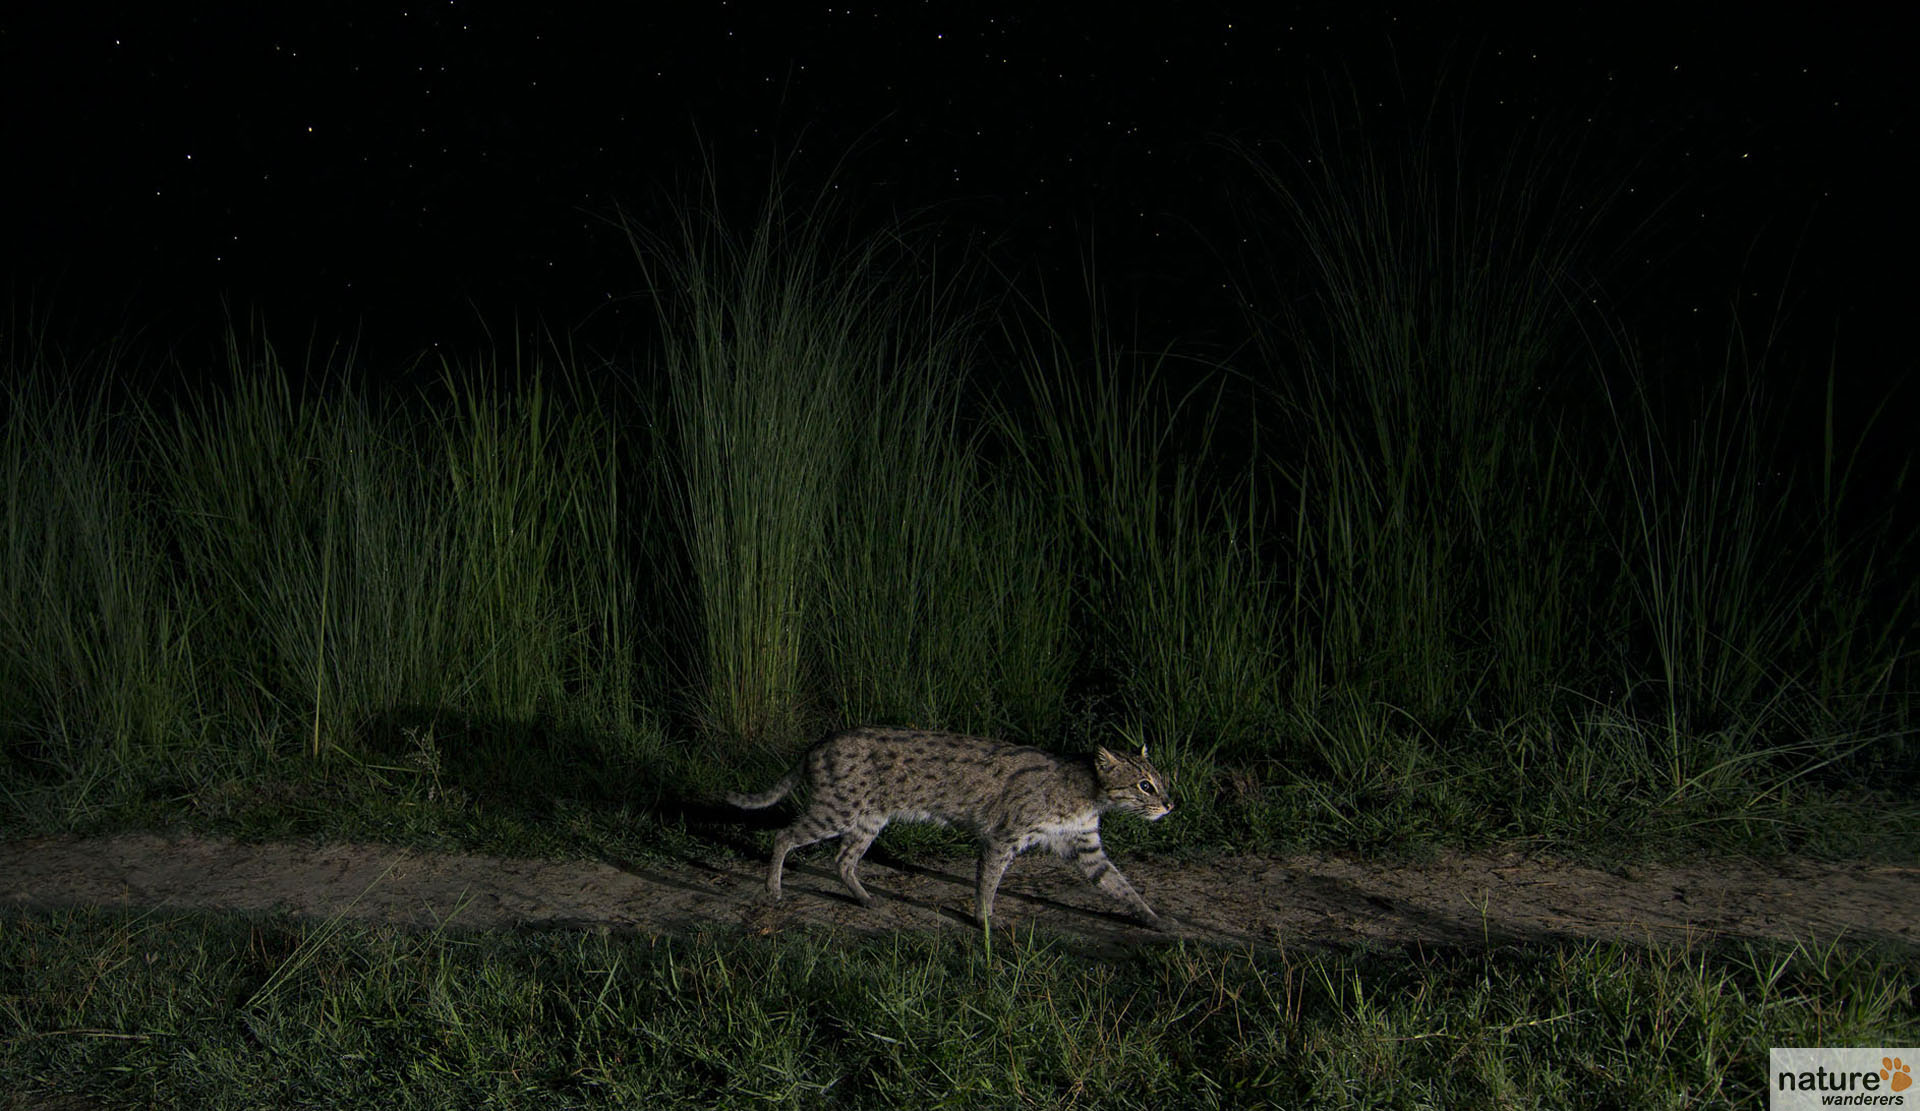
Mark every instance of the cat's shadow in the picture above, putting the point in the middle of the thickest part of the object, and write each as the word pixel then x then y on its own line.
pixel 967 887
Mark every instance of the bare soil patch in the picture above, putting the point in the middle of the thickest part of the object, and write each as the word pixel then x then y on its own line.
pixel 1312 899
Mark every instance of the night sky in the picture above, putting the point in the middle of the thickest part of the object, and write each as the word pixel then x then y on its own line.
pixel 409 170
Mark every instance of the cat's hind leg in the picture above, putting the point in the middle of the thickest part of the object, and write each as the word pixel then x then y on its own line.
pixel 853 846
pixel 803 832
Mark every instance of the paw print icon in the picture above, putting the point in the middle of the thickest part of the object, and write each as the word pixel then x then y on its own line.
pixel 1897 1073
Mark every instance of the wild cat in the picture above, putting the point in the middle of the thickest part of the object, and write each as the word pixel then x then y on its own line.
pixel 1012 797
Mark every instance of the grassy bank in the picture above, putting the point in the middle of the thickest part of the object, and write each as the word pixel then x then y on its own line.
pixel 228 1011
pixel 1423 562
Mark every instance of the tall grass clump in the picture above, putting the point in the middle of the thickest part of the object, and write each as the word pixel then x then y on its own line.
pixel 545 576
pixel 1704 552
pixel 304 523
pixel 767 343
pixel 1438 539
pixel 850 555
pixel 1494 526
pixel 359 562
pixel 1773 625
pixel 946 599
pixel 96 661
pixel 1173 600
pixel 1865 541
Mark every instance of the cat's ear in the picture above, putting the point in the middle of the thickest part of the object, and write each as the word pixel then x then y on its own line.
pixel 1143 750
pixel 1104 758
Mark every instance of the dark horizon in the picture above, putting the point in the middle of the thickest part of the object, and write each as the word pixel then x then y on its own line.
pixel 410 175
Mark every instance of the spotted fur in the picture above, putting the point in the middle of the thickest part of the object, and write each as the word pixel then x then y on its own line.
pixel 1012 797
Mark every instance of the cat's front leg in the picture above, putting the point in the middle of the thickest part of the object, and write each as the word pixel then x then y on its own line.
pixel 994 858
pixel 1086 853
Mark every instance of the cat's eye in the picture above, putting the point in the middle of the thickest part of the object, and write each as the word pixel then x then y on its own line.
pixel 1146 786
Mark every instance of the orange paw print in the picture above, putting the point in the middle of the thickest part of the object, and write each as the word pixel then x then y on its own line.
pixel 1897 1072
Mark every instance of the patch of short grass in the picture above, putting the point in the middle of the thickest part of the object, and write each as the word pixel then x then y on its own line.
pixel 1592 789
pixel 229 1011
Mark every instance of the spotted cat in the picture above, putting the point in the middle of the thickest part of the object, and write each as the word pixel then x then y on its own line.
pixel 1012 797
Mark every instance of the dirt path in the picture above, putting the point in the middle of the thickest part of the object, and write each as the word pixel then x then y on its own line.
pixel 1312 900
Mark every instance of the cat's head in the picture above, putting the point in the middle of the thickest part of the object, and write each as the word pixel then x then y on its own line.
pixel 1129 782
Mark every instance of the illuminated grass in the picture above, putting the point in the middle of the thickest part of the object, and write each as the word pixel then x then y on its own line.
pixel 229 1011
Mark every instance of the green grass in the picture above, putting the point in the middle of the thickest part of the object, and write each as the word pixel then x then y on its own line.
pixel 1440 526
pixel 1176 607
pixel 1421 563
pixel 96 662
pixel 221 1011
pixel 766 347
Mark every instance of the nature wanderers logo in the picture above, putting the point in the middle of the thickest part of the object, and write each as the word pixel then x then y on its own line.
pixel 1826 1077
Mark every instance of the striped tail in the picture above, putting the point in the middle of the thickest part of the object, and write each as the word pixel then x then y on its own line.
pixel 769 796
